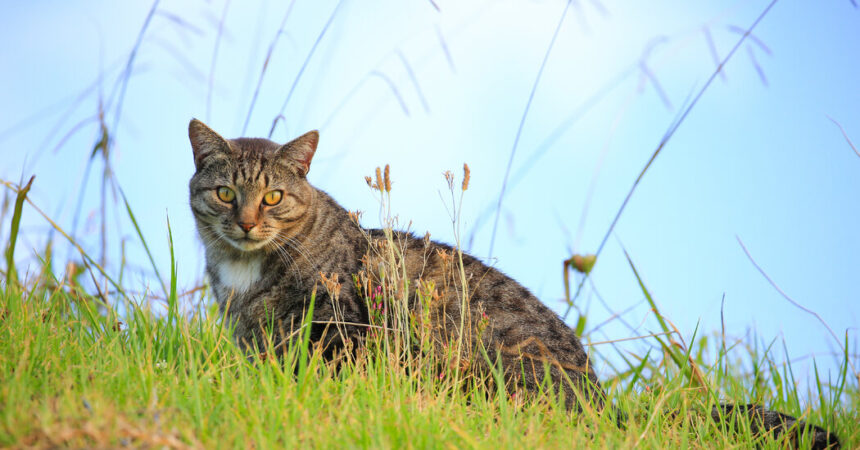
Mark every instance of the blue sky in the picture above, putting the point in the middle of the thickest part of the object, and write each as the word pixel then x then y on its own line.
pixel 756 159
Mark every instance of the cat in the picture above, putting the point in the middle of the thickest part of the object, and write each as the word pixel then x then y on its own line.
pixel 270 236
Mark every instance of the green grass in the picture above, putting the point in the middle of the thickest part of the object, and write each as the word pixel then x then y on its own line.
pixel 74 378
pixel 77 372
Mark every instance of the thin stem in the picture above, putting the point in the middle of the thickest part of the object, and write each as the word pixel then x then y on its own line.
pixel 215 59
pixel 130 63
pixel 666 137
pixel 308 58
pixel 791 300
pixel 266 65
pixel 522 125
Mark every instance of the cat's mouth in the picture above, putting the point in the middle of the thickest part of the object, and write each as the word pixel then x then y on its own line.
pixel 246 243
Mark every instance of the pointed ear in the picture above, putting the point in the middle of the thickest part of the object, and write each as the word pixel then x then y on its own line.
pixel 204 141
pixel 300 151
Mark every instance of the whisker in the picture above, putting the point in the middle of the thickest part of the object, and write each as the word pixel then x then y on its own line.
pixel 287 260
pixel 298 247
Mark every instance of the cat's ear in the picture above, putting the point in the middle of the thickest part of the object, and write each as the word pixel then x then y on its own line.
pixel 204 141
pixel 300 151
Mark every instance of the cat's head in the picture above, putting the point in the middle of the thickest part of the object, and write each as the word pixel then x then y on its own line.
pixel 249 194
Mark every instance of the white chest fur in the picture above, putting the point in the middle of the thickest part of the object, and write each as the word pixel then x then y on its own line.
pixel 239 275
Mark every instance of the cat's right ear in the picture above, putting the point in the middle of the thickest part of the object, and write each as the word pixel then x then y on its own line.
pixel 299 152
pixel 204 141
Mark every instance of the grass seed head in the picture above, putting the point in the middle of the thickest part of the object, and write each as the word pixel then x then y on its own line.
pixel 379 183
pixel 355 216
pixel 466 174
pixel 449 177
pixel 387 179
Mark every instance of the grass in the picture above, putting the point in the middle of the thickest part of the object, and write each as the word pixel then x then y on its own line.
pixel 76 376
pixel 80 372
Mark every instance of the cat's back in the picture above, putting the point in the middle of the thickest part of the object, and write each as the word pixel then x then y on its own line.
pixel 518 327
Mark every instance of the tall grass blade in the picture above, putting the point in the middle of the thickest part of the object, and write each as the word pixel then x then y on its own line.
pixel 172 300
pixel 11 273
pixel 669 133
pixel 648 297
pixel 304 349
pixel 522 125
pixel 143 241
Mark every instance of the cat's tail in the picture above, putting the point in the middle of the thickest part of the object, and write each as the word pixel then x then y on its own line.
pixel 763 420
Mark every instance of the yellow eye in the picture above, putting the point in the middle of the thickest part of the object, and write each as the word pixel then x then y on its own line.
pixel 272 198
pixel 226 194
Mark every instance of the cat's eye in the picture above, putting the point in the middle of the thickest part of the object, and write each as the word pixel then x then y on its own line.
pixel 226 194
pixel 272 198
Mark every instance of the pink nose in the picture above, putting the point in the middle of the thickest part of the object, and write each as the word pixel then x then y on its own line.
pixel 246 226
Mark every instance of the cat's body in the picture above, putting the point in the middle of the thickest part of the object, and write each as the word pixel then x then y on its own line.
pixel 264 259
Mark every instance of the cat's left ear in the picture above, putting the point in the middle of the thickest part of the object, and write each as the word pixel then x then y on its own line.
pixel 300 151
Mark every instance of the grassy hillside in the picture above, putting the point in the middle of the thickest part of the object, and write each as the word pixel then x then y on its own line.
pixel 80 371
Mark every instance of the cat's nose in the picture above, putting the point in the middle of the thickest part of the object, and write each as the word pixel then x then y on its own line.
pixel 246 226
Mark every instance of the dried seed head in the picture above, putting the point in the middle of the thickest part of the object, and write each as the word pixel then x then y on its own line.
pixel 387 179
pixel 379 183
pixel 449 177
pixel 466 173
pixel 331 284
pixel 355 216
pixel 369 181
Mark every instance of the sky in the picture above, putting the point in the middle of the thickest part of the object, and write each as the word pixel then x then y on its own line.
pixel 428 85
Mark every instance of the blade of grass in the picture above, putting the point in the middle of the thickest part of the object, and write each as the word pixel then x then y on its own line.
pixel 845 135
pixel 88 259
pixel 143 241
pixel 637 371
pixel 669 133
pixel 215 59
pixel 308 58
pixel 648 297
pixel 128 66
pixel 791 300
pixel 822 403
pixel 266 65
pixel 172 298
pixel 843 373
pixel 304 350
pixel 11 273
pixel 522 125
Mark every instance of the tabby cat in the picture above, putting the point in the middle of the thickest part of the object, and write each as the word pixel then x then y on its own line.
pixel 269 235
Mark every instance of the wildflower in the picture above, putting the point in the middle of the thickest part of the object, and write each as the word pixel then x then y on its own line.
pixel 482 324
